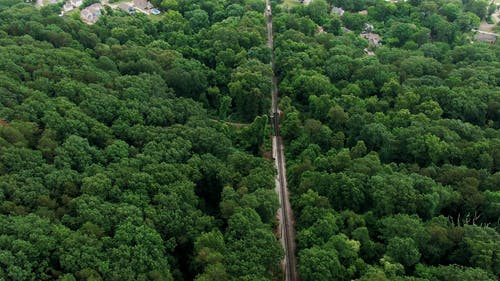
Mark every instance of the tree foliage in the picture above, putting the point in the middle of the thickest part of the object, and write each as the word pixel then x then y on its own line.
pixel 112 166
pixel 394 150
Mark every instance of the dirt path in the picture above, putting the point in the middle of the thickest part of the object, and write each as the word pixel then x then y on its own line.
pixel 234 124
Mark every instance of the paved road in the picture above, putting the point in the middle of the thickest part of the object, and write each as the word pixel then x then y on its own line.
pixel 285 214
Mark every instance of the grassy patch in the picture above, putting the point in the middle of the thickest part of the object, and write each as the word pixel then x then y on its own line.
pixel 156 18
pixel 290 3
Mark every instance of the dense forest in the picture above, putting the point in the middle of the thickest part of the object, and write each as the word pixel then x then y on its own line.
pixel 137 148
pixel 393 158
pixel 113 164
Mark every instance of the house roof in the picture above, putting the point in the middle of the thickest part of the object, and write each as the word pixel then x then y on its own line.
pixel 368 52
pixel 140 3
pixel 338 10
pixel 96 7
pixel 91 13
pixel 124 6
pixel 370 35
pixel 143 4
pixel 372 38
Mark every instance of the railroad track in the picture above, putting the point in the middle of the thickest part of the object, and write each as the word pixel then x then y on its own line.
pixel 285 214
